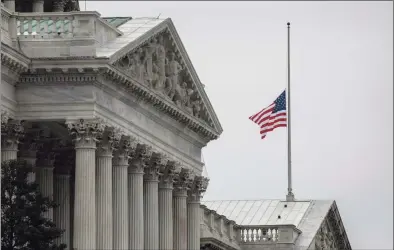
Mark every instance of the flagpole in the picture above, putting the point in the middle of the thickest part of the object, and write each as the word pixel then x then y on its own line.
pixel 290 195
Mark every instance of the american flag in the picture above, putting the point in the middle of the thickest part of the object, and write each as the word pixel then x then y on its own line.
pixel 271 117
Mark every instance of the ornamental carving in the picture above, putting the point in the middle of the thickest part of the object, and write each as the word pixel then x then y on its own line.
pixel 108 142
pixel 46 155
pixel 324 238
pixel 30 144
pixel 158 65
pixel 198 188
pixel 184 180
pixel 127 146
pixel 11 132
pixel 169 172
pixel 156 162
pixel 86 133
pixel 139 158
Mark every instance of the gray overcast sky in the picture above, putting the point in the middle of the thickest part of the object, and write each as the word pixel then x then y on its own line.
pixel 342 100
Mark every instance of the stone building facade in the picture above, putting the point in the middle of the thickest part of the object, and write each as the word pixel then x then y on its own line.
pixel 113 117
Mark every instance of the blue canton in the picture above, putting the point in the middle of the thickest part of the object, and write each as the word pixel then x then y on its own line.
pixel 280 103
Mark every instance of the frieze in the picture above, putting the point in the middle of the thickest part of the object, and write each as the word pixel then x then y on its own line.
pixel 158 65
pixel 41 79
pixel 141 93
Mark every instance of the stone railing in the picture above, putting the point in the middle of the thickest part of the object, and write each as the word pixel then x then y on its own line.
pixel 277 236
pixel 45 26
pixel 258 234
pixel 217 230
pixel 56 34
pixel 221 233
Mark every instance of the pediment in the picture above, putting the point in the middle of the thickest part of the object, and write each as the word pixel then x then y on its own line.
pixel 331 233
pixel 158 60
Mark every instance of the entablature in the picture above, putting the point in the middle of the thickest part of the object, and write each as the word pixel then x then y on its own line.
pixel 84 70
pixel 15 61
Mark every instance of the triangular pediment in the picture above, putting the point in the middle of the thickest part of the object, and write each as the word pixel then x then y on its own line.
pixel 331 233
pixel 158 60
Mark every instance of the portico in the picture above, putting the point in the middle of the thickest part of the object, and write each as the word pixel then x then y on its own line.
pixel 113 126
pixel 101 207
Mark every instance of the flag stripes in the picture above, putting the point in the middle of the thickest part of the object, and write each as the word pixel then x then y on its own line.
pixel 271 117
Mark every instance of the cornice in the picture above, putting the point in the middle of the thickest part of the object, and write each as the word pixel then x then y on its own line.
pixel 13 59
pixel 171 27
pixel 88 73
pixel 144 93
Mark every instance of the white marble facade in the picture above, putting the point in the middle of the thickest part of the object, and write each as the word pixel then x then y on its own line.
pixel 127 195
pixel 113 126
pixel 114 118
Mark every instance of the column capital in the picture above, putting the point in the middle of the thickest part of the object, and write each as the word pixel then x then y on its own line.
pixel 64 163
pixel 47 151
pixel 58 5
pixel 122 153
pixel 31 141
pixel 85 133
pixel 108 142
pixel 11 132
pixel 156 162
pixel 29 146
pixel 183 182
pixel 5 116
pixel 139 158
pixel 198 188
pixel 169 172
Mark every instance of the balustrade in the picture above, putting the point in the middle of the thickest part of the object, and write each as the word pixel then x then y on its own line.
pixel 259 234
pixel 46 25
pixel 57 29
pixel 268 234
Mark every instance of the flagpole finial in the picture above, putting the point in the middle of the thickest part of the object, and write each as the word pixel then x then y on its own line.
pixel 288 23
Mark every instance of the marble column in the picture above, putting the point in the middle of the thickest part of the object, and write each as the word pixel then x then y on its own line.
pixel 44 173
pixel 120 195
pixel 166 241
pixel 62 195
pixel 85 135
pixel 104 205
pixel 199 186
pixel 151 202
pixel 44 179
pixel 30 157
pixel 38 5
pixel 28 150
pixel 11 132
pixel 58 5
pixel 136 201
pixel 181 186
